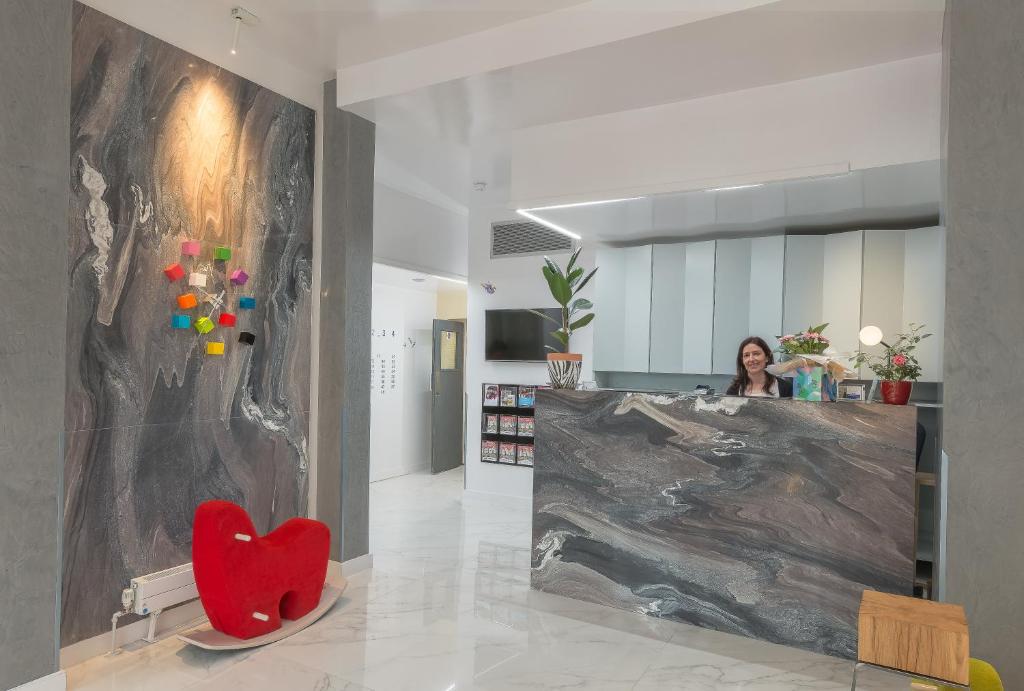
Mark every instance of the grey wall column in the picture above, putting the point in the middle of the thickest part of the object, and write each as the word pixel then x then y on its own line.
pixel 343 437
pixel 984 404
pixel 35 110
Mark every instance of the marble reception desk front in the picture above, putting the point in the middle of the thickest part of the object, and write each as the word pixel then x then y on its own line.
pixel 761 517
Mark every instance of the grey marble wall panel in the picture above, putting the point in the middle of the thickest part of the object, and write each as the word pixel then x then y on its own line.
pixel 756 517
pixel 167 147
pixel 343 436
pixel 35 56
pixel 982 431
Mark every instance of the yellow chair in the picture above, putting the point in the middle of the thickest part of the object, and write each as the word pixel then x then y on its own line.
pixel 983 678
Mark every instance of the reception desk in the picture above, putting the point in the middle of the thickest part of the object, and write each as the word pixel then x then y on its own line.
pixel 761 517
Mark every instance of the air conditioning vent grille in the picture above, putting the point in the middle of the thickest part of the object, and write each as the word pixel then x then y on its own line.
pixel 522 238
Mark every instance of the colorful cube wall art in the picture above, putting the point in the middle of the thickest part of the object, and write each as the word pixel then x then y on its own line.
pixel 239 277
pixel 246 303
pixel 204 325
pixel 187 301
pixel 190 248
pixel 247 338
pixel 222 253
pixel 174 272
pixel 180 321
pixel 197 279
pixel 226 319
pixel 215 348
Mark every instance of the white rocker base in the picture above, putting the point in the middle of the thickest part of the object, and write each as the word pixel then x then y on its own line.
pixel 208 638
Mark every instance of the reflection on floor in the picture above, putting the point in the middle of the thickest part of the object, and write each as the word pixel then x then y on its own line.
pixel 448 606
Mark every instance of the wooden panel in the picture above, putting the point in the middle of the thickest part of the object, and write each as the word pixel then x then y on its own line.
pixel 732 313
pixel 667 293
pixel 698 307
pixel 913 635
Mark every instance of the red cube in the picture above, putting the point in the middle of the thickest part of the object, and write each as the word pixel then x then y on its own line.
pixel 226 319
pixel 174 272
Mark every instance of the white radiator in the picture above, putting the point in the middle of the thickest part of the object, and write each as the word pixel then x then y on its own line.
pixel 160 590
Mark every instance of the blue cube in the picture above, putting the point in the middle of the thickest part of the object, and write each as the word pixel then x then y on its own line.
pixel 181 321
pixel 246 303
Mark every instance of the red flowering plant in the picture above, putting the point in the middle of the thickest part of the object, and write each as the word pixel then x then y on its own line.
pixel 897 361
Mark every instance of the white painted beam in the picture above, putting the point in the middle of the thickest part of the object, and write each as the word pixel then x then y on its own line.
pixel 581 26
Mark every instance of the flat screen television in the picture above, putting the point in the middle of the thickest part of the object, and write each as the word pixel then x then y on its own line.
pixel 520 335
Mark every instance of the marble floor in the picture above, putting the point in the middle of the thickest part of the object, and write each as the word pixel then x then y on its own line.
pixel 448 606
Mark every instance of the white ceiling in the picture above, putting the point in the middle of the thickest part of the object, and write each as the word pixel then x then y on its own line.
pixel 779 42
pixel 411 280
pixel 323 35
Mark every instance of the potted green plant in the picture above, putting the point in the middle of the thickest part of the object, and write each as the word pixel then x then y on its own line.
pixel 896 366
pixel 564 367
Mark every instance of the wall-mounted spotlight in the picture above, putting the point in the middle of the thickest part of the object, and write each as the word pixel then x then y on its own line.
pixel 240 16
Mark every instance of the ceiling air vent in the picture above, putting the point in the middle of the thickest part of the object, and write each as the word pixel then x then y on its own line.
pixel 524 238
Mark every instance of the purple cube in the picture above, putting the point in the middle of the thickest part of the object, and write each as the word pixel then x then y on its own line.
pixel 239 277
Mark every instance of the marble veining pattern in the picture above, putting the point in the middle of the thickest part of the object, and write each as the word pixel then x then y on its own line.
pixel 754 517
pixel 166 147
pixel 448 606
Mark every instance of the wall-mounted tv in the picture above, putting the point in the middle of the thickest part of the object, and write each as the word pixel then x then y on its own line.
pixel 520 335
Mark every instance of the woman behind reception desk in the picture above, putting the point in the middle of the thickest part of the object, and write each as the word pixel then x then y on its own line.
pixel 751 377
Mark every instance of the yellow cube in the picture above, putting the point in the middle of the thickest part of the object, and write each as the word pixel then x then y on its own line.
pixel 215 348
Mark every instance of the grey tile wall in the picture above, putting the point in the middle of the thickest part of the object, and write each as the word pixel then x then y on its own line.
pixel 35 62
pixel 343 439
pixel 984 404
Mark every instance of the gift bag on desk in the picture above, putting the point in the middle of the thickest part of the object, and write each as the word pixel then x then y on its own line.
pixel 807 383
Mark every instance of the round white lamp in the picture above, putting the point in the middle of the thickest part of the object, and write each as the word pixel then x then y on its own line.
pixel 870 335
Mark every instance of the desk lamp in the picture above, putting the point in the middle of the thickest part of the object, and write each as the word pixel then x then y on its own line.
pixel 871 336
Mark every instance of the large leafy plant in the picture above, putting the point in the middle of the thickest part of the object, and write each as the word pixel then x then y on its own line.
pixel 565 285
pixel 897 362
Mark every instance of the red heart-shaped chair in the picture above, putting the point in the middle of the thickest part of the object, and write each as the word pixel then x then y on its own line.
pixel 248 583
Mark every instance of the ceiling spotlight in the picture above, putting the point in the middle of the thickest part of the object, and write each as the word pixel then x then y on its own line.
pixel 240 15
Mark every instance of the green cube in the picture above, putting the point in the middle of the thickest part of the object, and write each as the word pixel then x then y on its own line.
pixel 222 253
pixel 203 325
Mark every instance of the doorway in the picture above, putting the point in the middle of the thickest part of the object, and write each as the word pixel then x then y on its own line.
pixel 447 396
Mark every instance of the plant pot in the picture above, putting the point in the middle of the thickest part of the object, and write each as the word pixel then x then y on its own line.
pixel 564 370
pixel 896 392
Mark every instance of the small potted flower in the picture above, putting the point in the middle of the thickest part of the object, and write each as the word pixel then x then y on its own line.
pixel 896 367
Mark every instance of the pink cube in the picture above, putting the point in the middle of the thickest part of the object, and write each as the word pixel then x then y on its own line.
pixel 239 277
pixel 190 248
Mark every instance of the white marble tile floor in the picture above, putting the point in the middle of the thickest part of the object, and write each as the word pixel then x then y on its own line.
pixel 448 606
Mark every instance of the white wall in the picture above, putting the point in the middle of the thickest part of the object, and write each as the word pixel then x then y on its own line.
pixel 518 283
pixel 420 205
pixel 875 116
pixel 400 411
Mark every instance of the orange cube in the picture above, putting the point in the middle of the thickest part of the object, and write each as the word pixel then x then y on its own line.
pixel 187 301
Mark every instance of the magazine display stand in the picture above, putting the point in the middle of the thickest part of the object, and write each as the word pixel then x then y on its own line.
pixel 506 432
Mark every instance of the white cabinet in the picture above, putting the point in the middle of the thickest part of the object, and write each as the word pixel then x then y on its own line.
pixel 823 285
pixel 904 282
pixel 668 293
pixel 682 307
pixel 622 303
pixel 699 307
pixel 748 296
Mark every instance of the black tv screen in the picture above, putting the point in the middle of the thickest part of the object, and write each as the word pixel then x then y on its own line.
pixel 520 334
